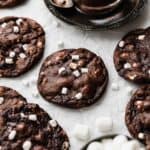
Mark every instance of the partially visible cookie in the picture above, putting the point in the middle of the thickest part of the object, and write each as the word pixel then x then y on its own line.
pixel 132 56
pixel 138 115
pixel 8 3
pixel 10 98
pixel 73 78
pixel 28 127
pixel 22 42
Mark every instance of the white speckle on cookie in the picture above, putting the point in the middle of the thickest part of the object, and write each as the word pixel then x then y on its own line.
pixel 141 37
pixel 141 136
pixel 22 55
pixel 25 47
pixel 27 145
pixel 64 90
pixel 12 135
pixel 22 115
pixel 78 96
pixel 76 73
pixel 121 44
pixel 1 100
pixel 61 70
pixel 12 54
pixel 9 60
pixel 127 66
pixel 19 21
pixel 32 117
pixel 84 70
pixel 75 57
pixel 15 29
pixel 53 123
pixel 4 25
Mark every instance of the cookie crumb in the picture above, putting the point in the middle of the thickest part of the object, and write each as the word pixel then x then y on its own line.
pixel 121 44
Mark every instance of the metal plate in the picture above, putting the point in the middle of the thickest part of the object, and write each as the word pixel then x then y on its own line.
pixel 125 13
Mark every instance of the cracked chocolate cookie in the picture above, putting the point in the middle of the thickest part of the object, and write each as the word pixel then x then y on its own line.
pixel 28 127
pixel 22 42
pixel 10 98
pixel 73 78
pixel 132 56
pixel 8 3
pixel 138 115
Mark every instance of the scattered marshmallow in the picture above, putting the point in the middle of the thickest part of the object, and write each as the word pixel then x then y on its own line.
pixel 95 146
pixel 75 57
pixel 1 100
pixel 27 145
pixel 81 132
pixel 121 44
pixel 115 86
pixel 141 37
pixel 12 54
pixel 78 96
pixel 76 73
pixel 15 29
pixel 84 70
pixel 53 123
pixel 22 55
pixel 104 124
pixel 64 90
pixel 127 66
pixel 12 135
pixel 9 61
pixel 32 117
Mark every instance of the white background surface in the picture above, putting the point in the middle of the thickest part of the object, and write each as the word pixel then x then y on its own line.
pixel 101 42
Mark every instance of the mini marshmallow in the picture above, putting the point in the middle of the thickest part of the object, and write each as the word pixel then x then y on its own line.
pixel 19 21
pixel 53 123
pixel 95 146
pixel 121 44
pixel 141 37
pixel 78 96
pixel 104 124
pixel 12 135
pixel 27 145
pixel 9 61
pixel 141 136
pixel 127 66
pixel 81 132
pixel 61 70
pixel 15 29
pixel 25 47
pixel 33 117
pixel 84 70
pixel 76 73
pixel 4 25
pixel 115 86
pixel 75 57
pixel 22 55
pixel 1 100
pixel 12 54
pixel 64 90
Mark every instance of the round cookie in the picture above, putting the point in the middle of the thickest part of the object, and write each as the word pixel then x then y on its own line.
pixel 138 115
pixel 73 78
pixel 10 98
pixel 132 56
pixel 22 42
pixel 28 127
pixel 8 3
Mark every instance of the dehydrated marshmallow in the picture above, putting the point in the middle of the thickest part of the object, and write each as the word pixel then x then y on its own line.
pixel 4 25
pixel 1 100
pixel 64 90
pixel 78 96
pixel 75 57
pixel 15 29
pixel 104 124
pixel 27 145
pixel 76 73
pixel 141 136
pixel 127 66
pixel 61 70
pixel 22 55
pixel 141 37
pixel 84 70
pixel 12 54
pixel 25 47
pixel 33 117
pixel 53 123
pixel 81 132
pixel 9 61
pixel 115 86
pixel 121 44
pixel 12 135
pixel 95 146
pixel 19 21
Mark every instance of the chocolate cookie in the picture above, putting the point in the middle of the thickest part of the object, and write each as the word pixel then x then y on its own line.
pixel 9 98
pixel 8 3
pixel 22 42
pixel 132 56
pixel 138 115
pixel 28 127
pixel 72 78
